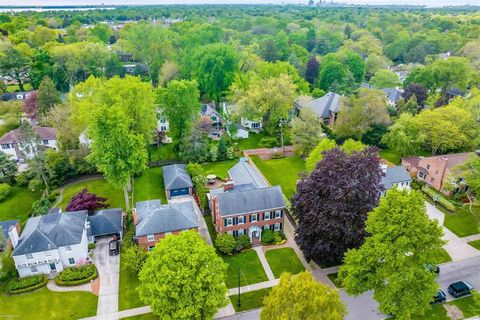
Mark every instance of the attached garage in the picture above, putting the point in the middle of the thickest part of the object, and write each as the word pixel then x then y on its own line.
pixel 177 181
pixel 107 222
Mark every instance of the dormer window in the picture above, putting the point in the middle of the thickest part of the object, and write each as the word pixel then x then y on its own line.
pixel 29 256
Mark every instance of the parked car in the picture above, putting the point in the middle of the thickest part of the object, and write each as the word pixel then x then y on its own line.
pixel 113 247
pixel 440 297
pixel 433 268
pixel 460 289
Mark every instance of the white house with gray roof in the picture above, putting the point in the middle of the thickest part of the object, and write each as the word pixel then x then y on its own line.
pixel 395 177
pixel 50 243
pixel 326 107
pixel 177 181
pixel 153 220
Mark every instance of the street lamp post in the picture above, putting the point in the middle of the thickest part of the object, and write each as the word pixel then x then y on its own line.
pixel 239 304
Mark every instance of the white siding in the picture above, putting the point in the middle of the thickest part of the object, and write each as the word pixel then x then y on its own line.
pixel 41 260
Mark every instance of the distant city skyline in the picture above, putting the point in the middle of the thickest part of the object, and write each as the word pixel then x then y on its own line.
pixel 431 3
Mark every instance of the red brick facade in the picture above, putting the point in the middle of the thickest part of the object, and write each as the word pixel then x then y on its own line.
pixel 145 244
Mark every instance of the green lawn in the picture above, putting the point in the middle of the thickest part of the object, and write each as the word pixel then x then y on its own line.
pixel 249 300
pixel 284 172
pixel 463 223
pixel 100 187
pixel 163 152
pixel 442 256
pixel 127 295
pixel 16 88
pixel 284 260
pixel 45 304
pixel 146 316
pixel 334 278
pixel 253 141
pixel 251 269
pixel 219 168
pixel 391 156
pixel 149 186
pixel 18 205
pixel 475 244
pixel 438 312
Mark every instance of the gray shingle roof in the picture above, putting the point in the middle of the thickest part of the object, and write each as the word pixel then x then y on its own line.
pixel 45 133
pixel 260 199
pixel 393 94
pixel 104 222
pixel 176 177
pixel 395 175
pixel 244 173
pixel 154 217
pixel 51 231
pixel 323 106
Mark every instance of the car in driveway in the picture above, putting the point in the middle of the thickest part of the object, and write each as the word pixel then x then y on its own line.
pixel 460 289
pixel 439 297
pixel 113 247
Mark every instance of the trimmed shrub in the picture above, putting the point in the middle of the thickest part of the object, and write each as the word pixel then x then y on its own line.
pixel 133 258
pixel 268 236
pixel 225 243
pixel 441 200
pixel 243 243
pixel 76 275
pixel 5 190
pixel 91 246
pixel 27 284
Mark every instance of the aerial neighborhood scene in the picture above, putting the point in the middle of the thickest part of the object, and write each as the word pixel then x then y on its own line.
pixel 311 160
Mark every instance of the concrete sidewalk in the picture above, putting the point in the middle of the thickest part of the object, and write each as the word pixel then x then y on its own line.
pixel 255 286
pixel 52 286
pixel 263 260
pixel 473 237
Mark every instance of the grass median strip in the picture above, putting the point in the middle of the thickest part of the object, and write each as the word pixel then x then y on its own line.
pixel 250 300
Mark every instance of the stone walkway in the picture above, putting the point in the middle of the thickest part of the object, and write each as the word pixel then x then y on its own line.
pixel 52 286
pixel 263 260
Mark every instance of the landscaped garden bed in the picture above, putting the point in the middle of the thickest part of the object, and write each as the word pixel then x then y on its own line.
pixel 22 285
pixel 249 300
pixel 76 275
pixel 284 260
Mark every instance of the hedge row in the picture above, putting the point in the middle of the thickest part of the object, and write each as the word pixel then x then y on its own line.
pixel 22 285
pixel 441 200
pixel 76 275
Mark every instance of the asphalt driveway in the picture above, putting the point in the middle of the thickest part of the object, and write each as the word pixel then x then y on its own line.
pixel 109 272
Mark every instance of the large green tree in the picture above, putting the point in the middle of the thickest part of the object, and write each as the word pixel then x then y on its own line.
pixel 183 278
pixel 384 78
pixel 316 155
pixel 302 297
pixel 404 136
pixel 47 96
pixel 402 241
pixel 306 132
pixel 14 63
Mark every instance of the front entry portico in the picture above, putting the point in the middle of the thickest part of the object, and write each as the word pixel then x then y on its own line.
pixel 254 233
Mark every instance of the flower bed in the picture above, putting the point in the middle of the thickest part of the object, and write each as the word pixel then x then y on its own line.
pixel 77 275
pixel 441 200
pixel 27 284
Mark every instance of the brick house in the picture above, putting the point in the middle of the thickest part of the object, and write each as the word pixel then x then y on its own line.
pixel 326 107
pixel 153 221
pixel 5 227
pixel 434 171
pixel 246 204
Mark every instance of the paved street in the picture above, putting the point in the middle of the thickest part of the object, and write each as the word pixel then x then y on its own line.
pixel 468 270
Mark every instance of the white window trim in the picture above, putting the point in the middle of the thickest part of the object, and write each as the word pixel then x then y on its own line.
pixel 68 248
pixel 256 217
pixel 150 237
pixel 243 220
pixel 265 215
pixel 229 222
pixel 29 256
pixel 70 261
pixel 279 212
pixel 276 226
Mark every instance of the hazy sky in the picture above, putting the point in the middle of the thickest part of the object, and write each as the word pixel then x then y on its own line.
pixel 119 2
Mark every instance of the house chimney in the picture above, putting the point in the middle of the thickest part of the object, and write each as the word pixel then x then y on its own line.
pixel 229 185
pixel 384 167
pixel 135 216
pixel 13 235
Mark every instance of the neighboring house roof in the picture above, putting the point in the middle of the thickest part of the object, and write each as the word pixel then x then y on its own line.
pixel 54 210
pixel 412 161
pixel 253 200
pixel 154 218
pixel 208 110
pixel 366 85
pixel 176 177
pixel 239 126
pixel 393 94
pixel 5 226
pixel 324 106
pixel 44 133
pixel 108 221
pixel 244 173
pixel 393 176
pixel 51 231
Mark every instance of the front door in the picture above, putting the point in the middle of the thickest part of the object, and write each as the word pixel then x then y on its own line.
pixel 53 267
pixel 255 234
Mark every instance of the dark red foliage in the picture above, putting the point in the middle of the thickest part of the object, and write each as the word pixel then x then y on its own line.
pixel 30 106
pixel 332 204
pixel 311 72
pixel 418 90
pixel 86 201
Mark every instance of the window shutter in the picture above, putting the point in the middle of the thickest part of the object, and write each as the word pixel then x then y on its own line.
pixel 263 215
pixel 235 221
pixel 225 222
pixel 281 213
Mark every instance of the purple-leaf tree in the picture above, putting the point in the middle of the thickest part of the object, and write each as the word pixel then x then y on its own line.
pixel 86 201
pixel 332 204
pixel 311 73
pixel 30 106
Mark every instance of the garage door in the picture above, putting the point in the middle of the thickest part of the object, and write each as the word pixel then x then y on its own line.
pixel 178 192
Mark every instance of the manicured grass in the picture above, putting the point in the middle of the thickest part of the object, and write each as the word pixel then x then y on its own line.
pixel 462 222
pixel 146 316
pixel 149 186
pixel 475 244
pixel 284 260
pixel 253 141
pixel 251 269
pixel 334 278
pixel 442 256
pixel 250 300
pixel 391 156
pixel 18 205
pixel 439 312
pixel 100 187
pixel 284 172
pixel 16 88
pixel 127 295
pixel 219 168
pixel 45 304
pixel 466 305
pixel 211 227
pixel 163 152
